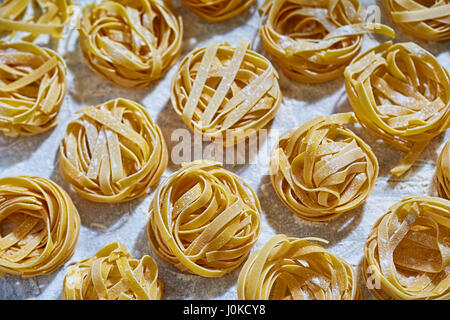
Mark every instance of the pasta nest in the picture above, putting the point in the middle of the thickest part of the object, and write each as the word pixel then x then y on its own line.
pixel 406 255
pixel 130 42
pixel 443 172
pixel 402 94
pixel 32 88
pixel 35 17
pixel 204 219
pixel 226 93
pixel 314 40
pixel 39 226
pixel 323 169
pixel 288 268
pixel 425 19
pixel 113 152
pixel 214 11
pixel 111 274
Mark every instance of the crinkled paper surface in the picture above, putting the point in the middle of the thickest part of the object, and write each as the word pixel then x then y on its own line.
pixel 126 223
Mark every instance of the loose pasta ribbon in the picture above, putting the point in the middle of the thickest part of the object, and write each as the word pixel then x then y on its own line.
pixel 322 169
pixel 289 268
pixel 314 40
pixel 407 254
pixel 204 219
pixel 226 93
pixel 215 11
pixel 111 274
pixel 402 94
pixel 130 43
pixel 32 88
pixel 39 226
pixel 113 152
pixel 443 172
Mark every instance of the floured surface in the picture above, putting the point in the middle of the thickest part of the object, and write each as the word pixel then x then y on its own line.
pixel 126 223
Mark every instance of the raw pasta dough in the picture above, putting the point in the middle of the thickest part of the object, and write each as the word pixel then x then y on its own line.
pixel 39 226
pixel 32 88
pixel 204 219
pixel 214 11
pixel 323 169
pixel 130 42
pixel 314 40
pixel 443 172
pixel 402 94
pixel 289 268
pixel 113 152
pixel 113 275
pixel 407 254
pixel 226 93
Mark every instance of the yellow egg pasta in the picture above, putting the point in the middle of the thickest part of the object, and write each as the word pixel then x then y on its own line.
pixel 39 226
pixel 204 219
pixel 314 40
pixel 322 169
pixel 32 88
pixel 425 19
pixel 130 42
pixel 111 274
pixel 289 268
pixel 113 152
pixel 214 11
pixel 407 254
pixel 443 172
pixel 402 94
pixel 226 93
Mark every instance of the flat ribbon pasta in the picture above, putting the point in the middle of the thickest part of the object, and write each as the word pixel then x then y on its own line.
pixel 111 274
pixel 130 42
pixel 407 253
pixel 204 219
pixel 425 19
pixel 226 93
pixel 32 88
pixel 35 17
pixel 113 152
pixel 402 94
pixel 39 226
pixel 288 268
pixel 323 169
pixel 314 40
pixel 214 11
pixel 443 172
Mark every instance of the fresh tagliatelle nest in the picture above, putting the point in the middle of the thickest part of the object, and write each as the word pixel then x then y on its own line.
pixel 401 93
pixel 113 152
pixel 289 268
pixel 443 172
pixel 314 40
pixel 32 88
pixel 204 219
pixel 217 10
pixel 130 42
pixel 407 254
pixel 226 93
pixel 425 19
pixel 39 224
pixel 322 169
pixel 111 274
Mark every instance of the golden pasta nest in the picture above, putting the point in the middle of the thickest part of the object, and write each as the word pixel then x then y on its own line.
pixel 35 17
pixel 214 11
pixel 226 93
pixel 288 268
pixel 402 94
pixel 406 255
pixel 424 19
pixel 130 42
pixel 32 88
pixel 204 219
pixel 314 40
pixel 39 226
pixel 111 274
pixel 323 169
pixel 113 152
pixel 443 172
